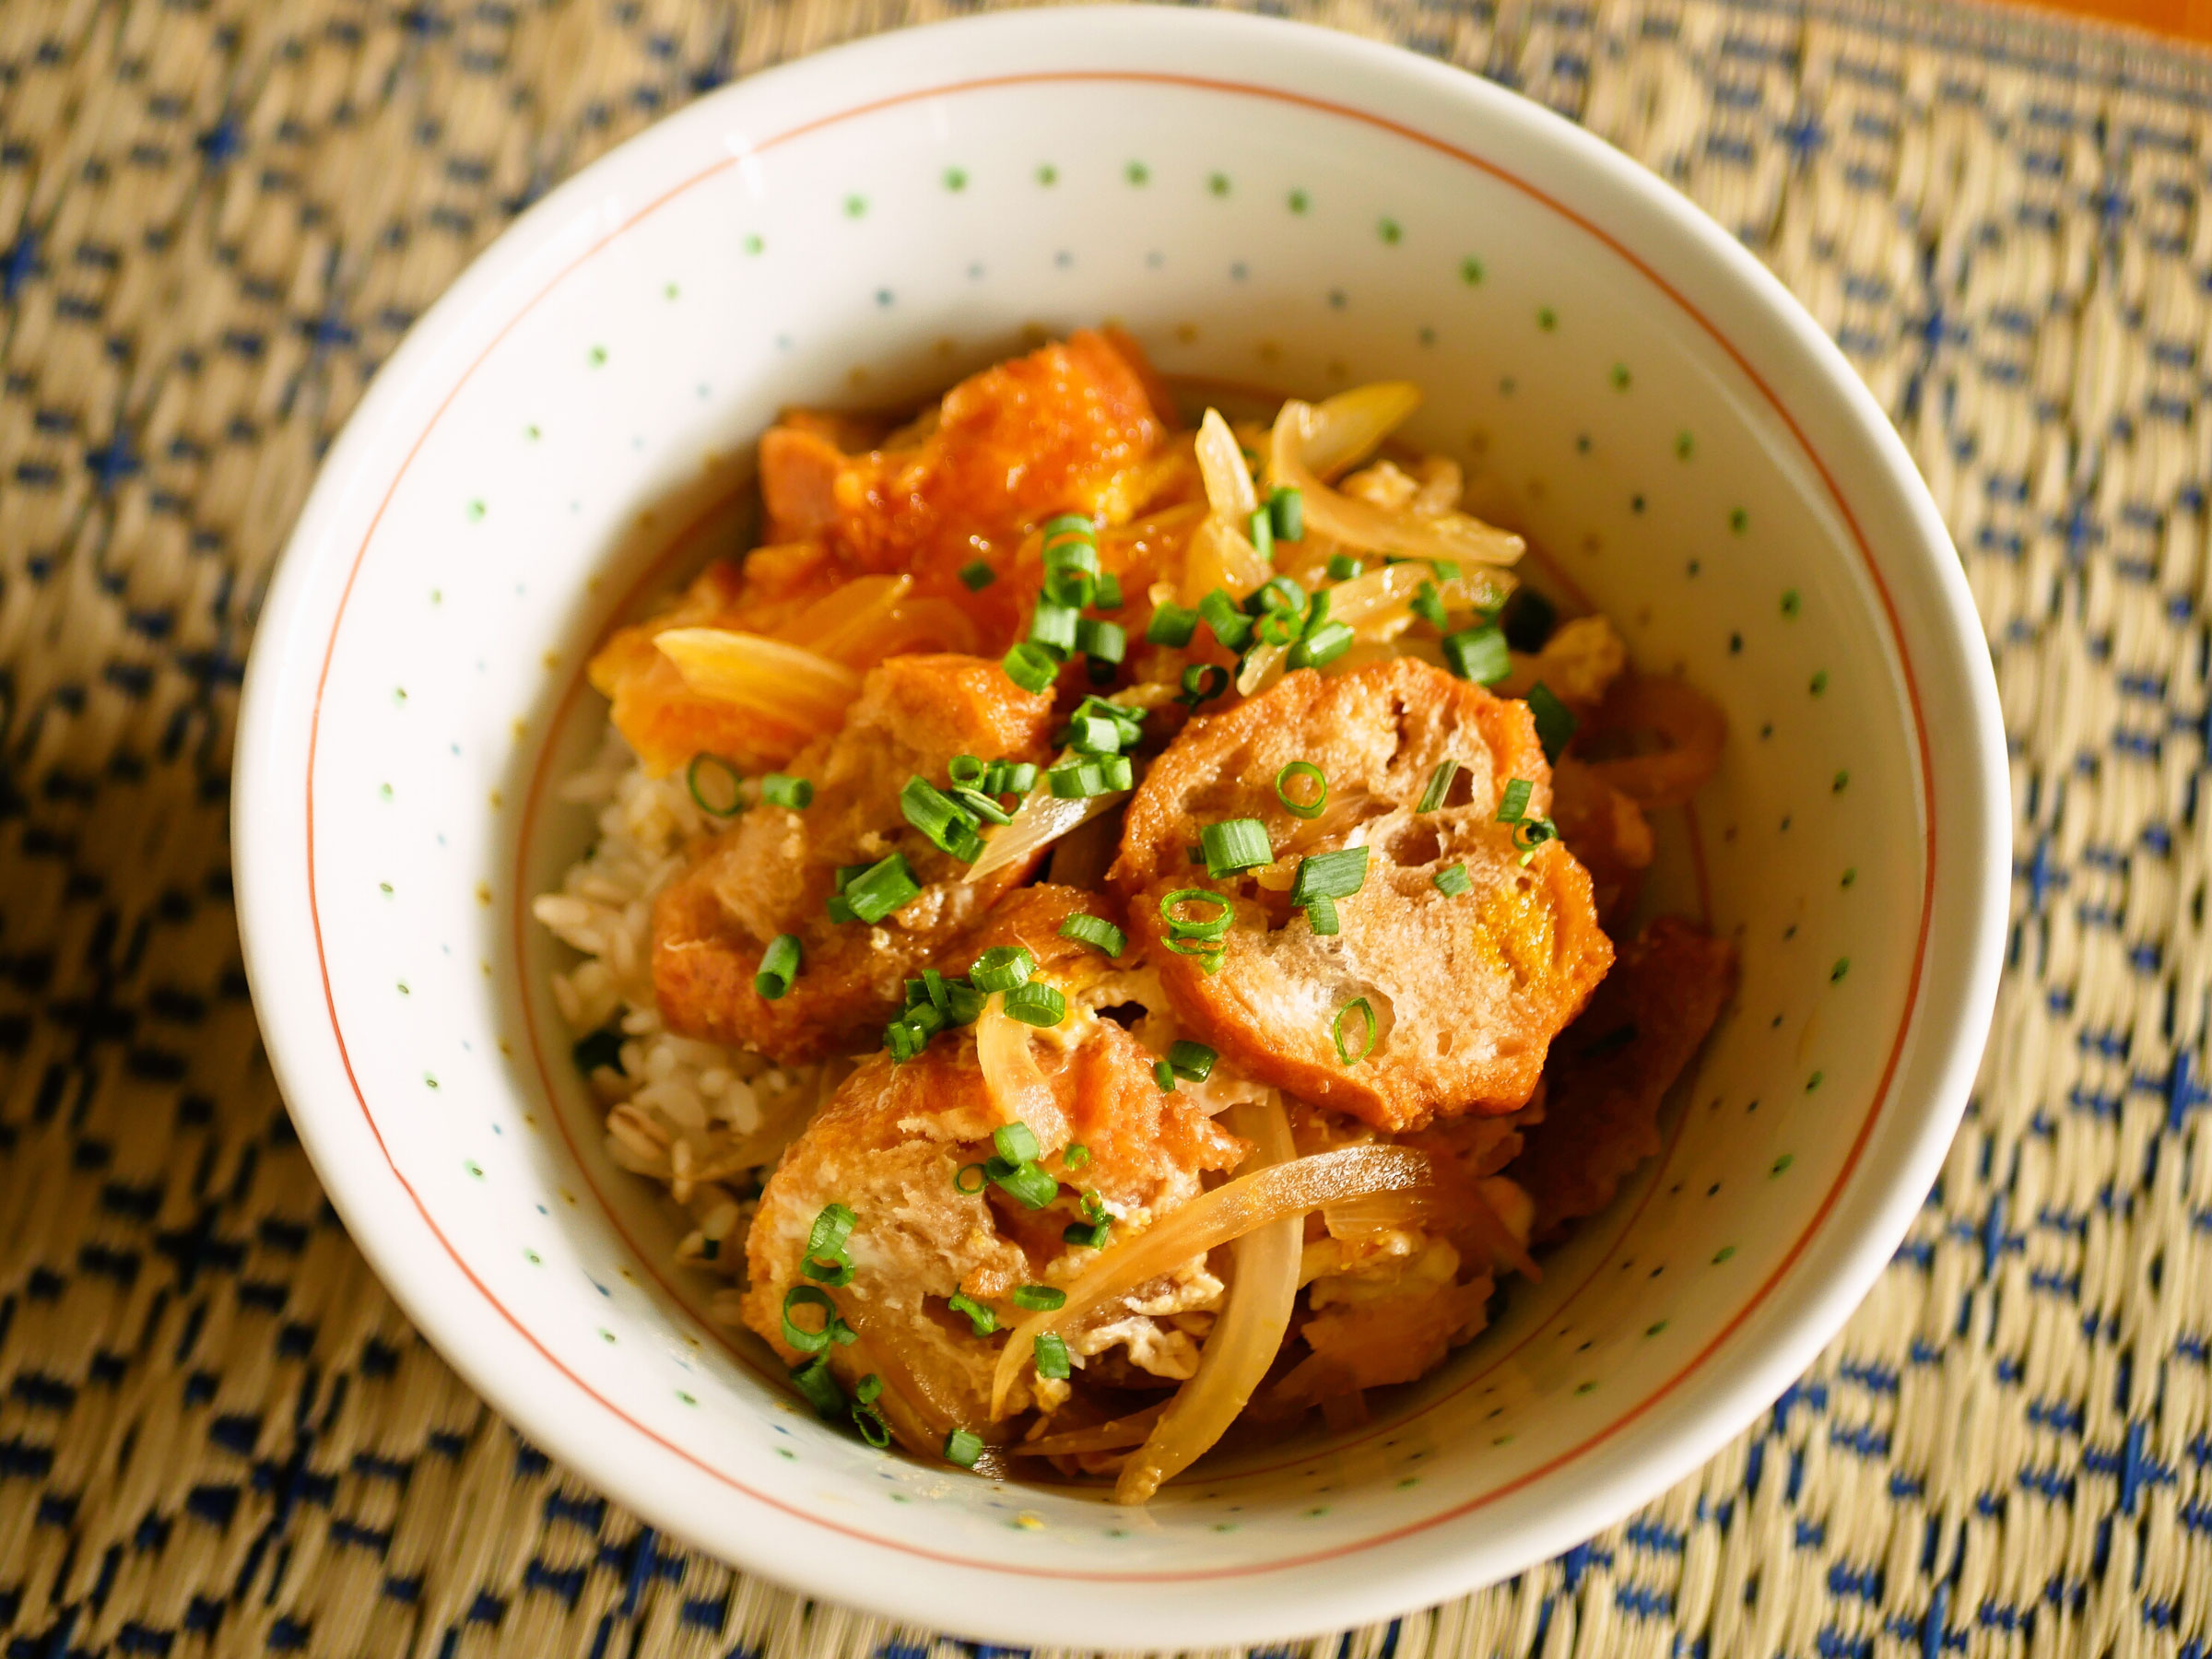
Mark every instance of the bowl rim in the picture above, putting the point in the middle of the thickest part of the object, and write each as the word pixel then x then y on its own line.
pixel 441 1298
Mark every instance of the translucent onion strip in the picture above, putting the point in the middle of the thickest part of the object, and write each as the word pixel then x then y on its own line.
pixel 1016 1083
pixel 1040 819
pixel 784 682
pixel 1229 489
pixel 1345 429
pixel 1358 524
pixel 1246 1337
pixel 1220 557
pixel 1228 1212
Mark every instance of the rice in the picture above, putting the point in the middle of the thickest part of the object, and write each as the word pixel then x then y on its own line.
pixel 702 1120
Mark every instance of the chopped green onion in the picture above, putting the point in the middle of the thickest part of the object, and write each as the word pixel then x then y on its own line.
pixel 1211 927
pixel 1303 769
pixel 1202 682
pixel 943 823
pixel 1529 619
pixel 1130 721
pixel 1479 653
pixel 967 771
pixel 1321 915
pixel 1002 968
pixel 781 789
pixel 1530 834
pixel 1067 523
pixel 1164 1075
pixel 1051 1357
pixel 1513 802
pixel 1108 594
pixel 1077 781
pixel 1287 508
pixel 833 1329
pixel 1038 1298
pixel 731 776
pixel 1036 1004
pixel 1192 1061
pixel 1230 625
pixel 1052 626
pixel 1100 642
pixel 1091 735
pixel 1075 1155
pixel 981 1320
pixel 1317 609
pixel 1031 667
pixel 1428 605
pixel 1451 880
pixel 1555 720
pixel 1447 569
pixel 1367 1012
pixel 826 1246
pixel 1276 626
pixel 872 1427
pixel 1323 644
pixel 1259 529
pixel 1235 844
pixel 975 576
pixel 779 966
pixel 1091 1235
pixel 964 1003
pixel 1026 1184
pixel 1343 567
pixel 961 1183
pixel 879 889
pixel 962 1448
pixel 903 1039
pixel 1011 778
pixel 869 1389
pixel 1172 625
pixel 812 1378
pixel 1073 587
pixel 982 805
pixel 1336 875
pixel 1096 932
pixel 1440 786
pixel 1017 1143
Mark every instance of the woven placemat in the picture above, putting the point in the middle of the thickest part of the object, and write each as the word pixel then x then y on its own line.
pixel 218 1435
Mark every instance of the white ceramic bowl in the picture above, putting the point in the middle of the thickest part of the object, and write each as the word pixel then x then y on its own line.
pixel 1259 202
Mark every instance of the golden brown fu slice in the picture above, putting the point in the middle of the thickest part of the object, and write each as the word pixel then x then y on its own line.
pixel 1612 1068
pixel 774 870
pixel 1467 988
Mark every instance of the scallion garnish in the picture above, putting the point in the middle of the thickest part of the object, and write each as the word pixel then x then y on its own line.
pixel 1286 508
pixel 1075 1155
pixel 1512 800
pixel 1427 604
pixel 1164 1075
pixel 1081 780
pixel 878 890
pixel 870 1423
pixel 1172 625
pixel 1479 653
pixel 1031 667
pixel 1277 628
pixel 1321 916
pixel 1036 1004
pixel 943 822
pixel 1529 619
pixel 724 798
pixel 1321 645
pixel 1235 844
pixel 1017 1143
pixel 1259 529
pixel 981 1320
pixel 1100 640
pixel 1028 1184
pixel 1192 1061
pixel 1002 968
pixel 1365 1009
pixel 1529 831
pixel 1052 626
pixel 1230 625
pixel 1051 1357
pixel 962 1448
pixel 825 1257
pixel 1011 777
pixel 1089 734
pixel 1202 682
pixel 1556 721
pixel 1108 594
pixel 1451 880
pixel 812 1379
pixel 1096 932
pixel 1209 927
pixel 1343 567
pixel 1038 1299
pixel 982 805
pixel 1282 594
pixel 975 576
pixel 1312 807
pixel 781 789
pixel 1439 786
pixel 960 1184
pixel 1447 569
pixel 832 1328
pixel 1336 875
pixel 779 966
pixel 967 771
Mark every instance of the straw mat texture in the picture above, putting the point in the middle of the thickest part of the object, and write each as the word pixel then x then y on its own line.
pixel 218 1436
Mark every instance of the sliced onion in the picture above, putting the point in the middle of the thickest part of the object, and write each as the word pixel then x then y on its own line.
pixel 1246 1337
pixel 1114 1436
pixel 1230 1211
pixel 1229 489
pixel 1262 667
pixel 1016 1083
pixel 1042 819
pixel 1380 596
pixel 1358 524
pixel 1345 429
pixel 783 681
pixel 1220 557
